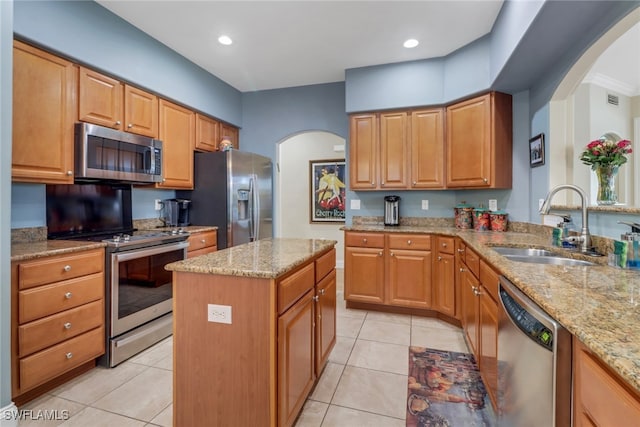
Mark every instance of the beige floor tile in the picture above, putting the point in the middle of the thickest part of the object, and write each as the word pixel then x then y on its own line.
pixel 342 350
pixel 96 418
pixel 164 418
pixel 166 363
pixel 382 393
pixel 338 416
pixel 429 322
pixel 33 412
pixel 348 326
pixel 143 398
pixel 312 414
pixel 155 354
pixel 327 383
pixel 380 356
pixel 342 310
pixel 439 339
pixel 394 333
pixel 403 319
pixel 96 383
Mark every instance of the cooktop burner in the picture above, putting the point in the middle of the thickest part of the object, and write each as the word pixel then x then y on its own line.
pixel 146 238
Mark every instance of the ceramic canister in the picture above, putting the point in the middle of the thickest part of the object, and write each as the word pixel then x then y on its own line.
pixel 481 220
pixel 498 220
pixel 463 215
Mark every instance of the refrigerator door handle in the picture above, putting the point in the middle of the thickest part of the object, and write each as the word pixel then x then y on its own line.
pixel 251 209
pixel 255 209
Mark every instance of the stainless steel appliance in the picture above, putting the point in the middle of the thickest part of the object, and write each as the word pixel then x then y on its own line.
pixel 392 210
pixel 232 190
pixel 176 212
pixel 108 154
pixel 138 291
pixel 534 364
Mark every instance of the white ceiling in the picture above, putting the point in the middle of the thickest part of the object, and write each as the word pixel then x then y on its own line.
pixel 295 43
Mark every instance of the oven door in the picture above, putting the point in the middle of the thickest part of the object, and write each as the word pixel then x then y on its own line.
pixel 141 289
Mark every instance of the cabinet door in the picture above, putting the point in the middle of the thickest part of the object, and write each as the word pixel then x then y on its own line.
pixel 363 149
pixel 99 99
pixel 470 310
pixel 410 278
pixel 443 285
pixel 469 143
pixel 141 112
pixel 394 150
pixel 364 274
pixel 488 331
pixel 44 113
pixel 176 133
pixel 325 319
pixel 295 358
pixel 231 132
pixel 427 149
pixel 206 133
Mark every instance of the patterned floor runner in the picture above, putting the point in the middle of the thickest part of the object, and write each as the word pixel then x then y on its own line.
pixel 445 390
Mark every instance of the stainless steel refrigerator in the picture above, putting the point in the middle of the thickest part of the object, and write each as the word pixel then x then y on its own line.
pixel 233 191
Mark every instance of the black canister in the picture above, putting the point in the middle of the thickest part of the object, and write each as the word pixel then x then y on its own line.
pixel 392 210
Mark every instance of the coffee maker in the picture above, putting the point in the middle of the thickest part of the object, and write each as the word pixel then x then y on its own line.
pixel 392 210
pixel 175 212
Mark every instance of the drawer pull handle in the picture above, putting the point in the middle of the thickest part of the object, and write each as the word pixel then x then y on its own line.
pixel 69 355
pixel 444 245
pixel 316 298
pixel 460 251
pixel 130 125
pixel 321 291
pixel 380 253
pixel 68 295
pixel 462 270
pixel 408 242
pixel 364 240
pixel 439 258
pixel 67 325
pixel 118 123
pixel 203 241
pixel 67 268
pixel 392 254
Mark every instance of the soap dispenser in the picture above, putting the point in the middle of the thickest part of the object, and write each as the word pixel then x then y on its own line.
pixel 633 241
pixel 567 226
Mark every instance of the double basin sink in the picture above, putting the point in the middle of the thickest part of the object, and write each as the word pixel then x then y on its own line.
pixel 538 256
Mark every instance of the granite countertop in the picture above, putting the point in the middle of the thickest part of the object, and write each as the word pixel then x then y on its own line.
pixel 24 251
pixel 266 258
pixel 598 304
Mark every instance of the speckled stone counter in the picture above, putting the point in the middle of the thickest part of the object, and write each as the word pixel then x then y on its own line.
pixel 600 305
pixel 267 258
pixel 45 248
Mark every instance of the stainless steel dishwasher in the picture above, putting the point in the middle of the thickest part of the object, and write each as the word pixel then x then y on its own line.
pixel 534 364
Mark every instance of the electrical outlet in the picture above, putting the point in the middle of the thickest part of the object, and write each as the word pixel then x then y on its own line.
pixel 158 205
pixel 493 205
pixel 540 203
pixel 219 313
pixel 425 205
pixel 355 204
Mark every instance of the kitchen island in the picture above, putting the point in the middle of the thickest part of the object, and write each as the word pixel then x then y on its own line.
pixel 253 327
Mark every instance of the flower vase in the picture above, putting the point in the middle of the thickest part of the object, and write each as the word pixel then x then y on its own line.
pixel 606 184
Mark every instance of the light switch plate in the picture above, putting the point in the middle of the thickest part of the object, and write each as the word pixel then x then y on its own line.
pixel 425 205
pixel 219 313
pixel 493 205
pixel 355 204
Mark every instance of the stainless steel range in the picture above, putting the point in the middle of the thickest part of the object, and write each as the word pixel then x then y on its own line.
pixel 138 290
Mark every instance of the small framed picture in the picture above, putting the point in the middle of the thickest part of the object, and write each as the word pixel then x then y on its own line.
pixel 536 150
pixel 327 190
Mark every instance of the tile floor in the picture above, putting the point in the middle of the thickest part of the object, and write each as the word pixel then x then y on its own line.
pixel 363 384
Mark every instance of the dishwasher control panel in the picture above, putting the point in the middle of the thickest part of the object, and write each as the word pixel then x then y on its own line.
pixel 526 322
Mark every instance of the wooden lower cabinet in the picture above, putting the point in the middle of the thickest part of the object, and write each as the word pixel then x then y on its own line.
pixel 470 314
pixel 488 329
pixel 600 398
pixel 364 274
pixel 325 319
pixel 202 242
pixel 409 278
pixel 444 289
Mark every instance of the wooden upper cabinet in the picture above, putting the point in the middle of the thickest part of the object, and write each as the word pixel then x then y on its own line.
pixel 108 102
pixel 394 149
pixel 479 135
pixel 231 132
pixel 363 149
pixel 177 125
pixel 207 130
pixel 44 101
pixel 427 148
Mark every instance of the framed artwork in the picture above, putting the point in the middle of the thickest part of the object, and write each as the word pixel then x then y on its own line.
pixel 536 150
pixel 327 190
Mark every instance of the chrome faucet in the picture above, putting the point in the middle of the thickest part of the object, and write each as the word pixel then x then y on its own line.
pixel 584 239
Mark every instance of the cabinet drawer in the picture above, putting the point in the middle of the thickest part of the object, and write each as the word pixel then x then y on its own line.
pixel 473 261
pixel 54 269
pixel 51 330
pixel 291 288
pixel 50 299
pixel 365 240
pixel 202 240
pixel 409 241
pixel 446 245
pixel 47 364
pixel 203 251
pixel 489 279
pixel 325 264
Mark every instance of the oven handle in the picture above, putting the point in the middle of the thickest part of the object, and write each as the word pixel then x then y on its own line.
pixel 154 250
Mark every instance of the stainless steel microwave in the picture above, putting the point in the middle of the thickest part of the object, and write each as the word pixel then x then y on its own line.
pixel 108 154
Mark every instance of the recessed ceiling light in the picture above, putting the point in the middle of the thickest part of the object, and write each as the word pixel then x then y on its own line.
pixel 225 40
pixel 411 43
